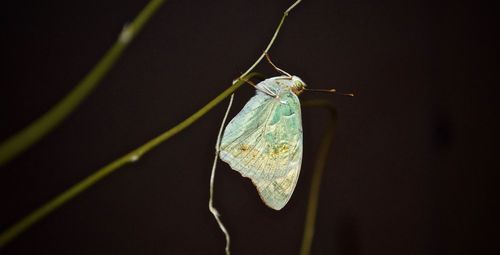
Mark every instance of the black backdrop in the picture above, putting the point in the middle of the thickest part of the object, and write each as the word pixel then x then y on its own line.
pixel 410 171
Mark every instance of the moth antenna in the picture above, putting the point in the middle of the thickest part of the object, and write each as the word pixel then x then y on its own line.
pixel 276 67
pixel 333 91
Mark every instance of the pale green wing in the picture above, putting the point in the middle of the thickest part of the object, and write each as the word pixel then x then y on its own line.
pixel 264 143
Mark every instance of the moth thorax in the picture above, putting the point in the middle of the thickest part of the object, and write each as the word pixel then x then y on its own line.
pixel 297 85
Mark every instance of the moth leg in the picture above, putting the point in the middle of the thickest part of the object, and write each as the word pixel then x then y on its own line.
pixel 276 67
pixel 269 92
pixel 265 90
pixel 284 78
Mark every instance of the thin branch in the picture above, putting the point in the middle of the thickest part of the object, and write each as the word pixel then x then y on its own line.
pixel 22 140
pixel 324 149
pixel 211 206
pixel 266 50
pixel 26 222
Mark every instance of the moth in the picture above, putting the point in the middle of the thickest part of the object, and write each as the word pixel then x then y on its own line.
pixel 264 140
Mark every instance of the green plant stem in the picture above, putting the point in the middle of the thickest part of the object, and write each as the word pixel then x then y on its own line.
pixel 324 149
pixel 28 136
pixel 130 157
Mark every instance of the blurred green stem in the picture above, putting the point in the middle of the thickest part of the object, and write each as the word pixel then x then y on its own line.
pixel 28 136
pixel 324 149
pixel 41 212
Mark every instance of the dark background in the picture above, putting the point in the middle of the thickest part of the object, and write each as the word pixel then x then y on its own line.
pixel 413 163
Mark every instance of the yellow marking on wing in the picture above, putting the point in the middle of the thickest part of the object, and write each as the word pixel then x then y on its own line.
pixel 279 150
pixel 244 147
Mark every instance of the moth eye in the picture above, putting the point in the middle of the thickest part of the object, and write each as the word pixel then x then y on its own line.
pixel 297 90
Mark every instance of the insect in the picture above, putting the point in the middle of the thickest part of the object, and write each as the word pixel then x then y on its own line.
pixel 264 140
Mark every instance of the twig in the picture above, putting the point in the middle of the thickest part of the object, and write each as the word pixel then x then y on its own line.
pixel 266 50
pixel 211 207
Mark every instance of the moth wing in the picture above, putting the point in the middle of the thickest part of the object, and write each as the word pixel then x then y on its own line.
pixel 264 143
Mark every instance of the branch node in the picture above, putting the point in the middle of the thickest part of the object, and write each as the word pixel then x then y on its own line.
pixel 126 34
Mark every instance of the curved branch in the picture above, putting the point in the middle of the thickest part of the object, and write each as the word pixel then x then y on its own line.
pixel 319 166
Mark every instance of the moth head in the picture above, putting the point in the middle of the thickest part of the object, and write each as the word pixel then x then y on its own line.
pixel 298 85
